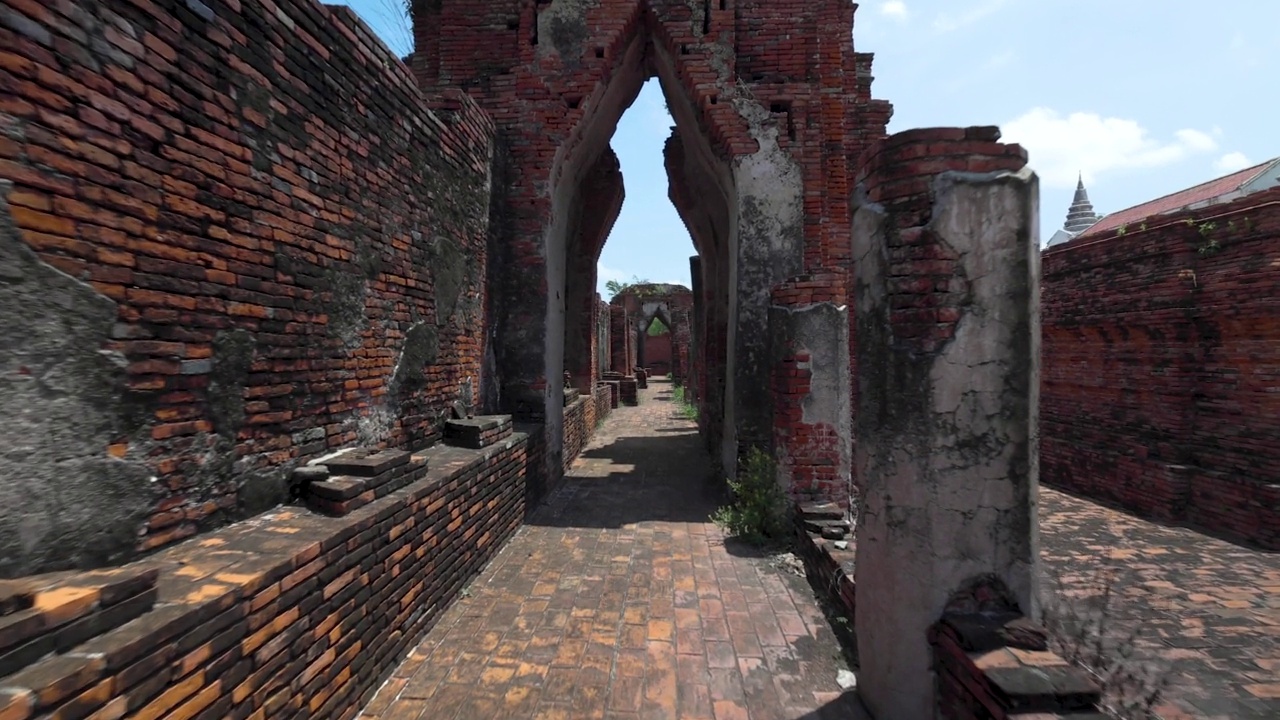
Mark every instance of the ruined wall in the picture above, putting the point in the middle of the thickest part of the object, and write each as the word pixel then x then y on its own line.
pixel 812 417
pixel 292 614
pixel 236 237
pixel 1162 356
pixel 658 354
pixel 946 272
pixel 766 95
pixel 603 350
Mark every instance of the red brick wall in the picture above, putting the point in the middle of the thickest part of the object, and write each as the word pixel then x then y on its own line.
pixel 295 614
pixel 1161 357
pixel 808 453
pixel 581 417
pixel 657 354
pixel 243 169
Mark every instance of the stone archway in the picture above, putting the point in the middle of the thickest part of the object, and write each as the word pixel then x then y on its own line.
pixel 770 104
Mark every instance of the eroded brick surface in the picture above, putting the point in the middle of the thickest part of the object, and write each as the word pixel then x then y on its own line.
pixel 620 600
pixel 1209 610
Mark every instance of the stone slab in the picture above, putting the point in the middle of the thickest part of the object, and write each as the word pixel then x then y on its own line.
pixel 366 463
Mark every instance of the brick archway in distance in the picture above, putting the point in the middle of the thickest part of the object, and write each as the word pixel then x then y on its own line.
pixel 770 104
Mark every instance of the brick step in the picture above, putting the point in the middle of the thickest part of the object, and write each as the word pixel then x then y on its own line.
pixel 51 614
pixel 820 511
pixel 628 391
pixel 356 478
pixel 478 432
pixel 828 529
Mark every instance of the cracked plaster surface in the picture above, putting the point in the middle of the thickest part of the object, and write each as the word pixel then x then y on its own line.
pixel 947 454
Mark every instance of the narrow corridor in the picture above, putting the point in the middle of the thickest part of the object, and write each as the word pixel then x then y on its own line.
pixel 621 600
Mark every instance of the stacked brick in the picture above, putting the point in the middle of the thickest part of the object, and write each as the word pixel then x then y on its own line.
pixel 577 429
pixel 270 169
pixel 50 614
pixel 997 666
pixel 621 342
pixel 581 417
pixel 831 561
pixel 478 432
pixel 1161 358
pixel 295 614
pixel 896 172
pixel 356 478
pixel 628 391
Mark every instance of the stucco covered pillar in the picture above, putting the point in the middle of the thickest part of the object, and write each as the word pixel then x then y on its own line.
pixel 812 419
pixel 946 278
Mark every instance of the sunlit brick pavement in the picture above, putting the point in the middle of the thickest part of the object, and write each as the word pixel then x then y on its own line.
pixel 620 600
pixel 1210 610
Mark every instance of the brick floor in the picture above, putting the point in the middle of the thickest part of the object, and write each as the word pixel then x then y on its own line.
pixel 620 600
pixel 1210 610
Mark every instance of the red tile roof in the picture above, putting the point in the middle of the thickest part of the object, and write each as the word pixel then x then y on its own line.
pixel 1177 201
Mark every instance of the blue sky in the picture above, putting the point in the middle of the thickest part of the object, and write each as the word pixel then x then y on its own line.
pixel 1142 97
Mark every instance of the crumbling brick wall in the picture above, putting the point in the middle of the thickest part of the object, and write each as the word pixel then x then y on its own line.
pixel 1161 360
pixel 289 245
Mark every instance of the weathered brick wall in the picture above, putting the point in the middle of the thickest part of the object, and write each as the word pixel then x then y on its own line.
pixel 292 614
pixel 604 402
pixel 580 420
pixel 294 241
pixel 813 459
pixel 1161 358
pixel 657 354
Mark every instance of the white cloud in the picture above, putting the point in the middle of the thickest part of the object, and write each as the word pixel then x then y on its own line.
pixel 605 274
pixel 895 9
pixel 1060 146
pixel 946 22
pixel 1244 52
pixel 1232 162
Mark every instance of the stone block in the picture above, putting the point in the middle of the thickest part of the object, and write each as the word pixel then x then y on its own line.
pixel 984 632
pixel 366 463
pixel 477 432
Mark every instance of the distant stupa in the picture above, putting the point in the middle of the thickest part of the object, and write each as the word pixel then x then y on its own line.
pixel 1081 215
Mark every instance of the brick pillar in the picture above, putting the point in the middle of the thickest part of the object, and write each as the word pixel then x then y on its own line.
pixel 947 266
pixel 620 339
pixel 694 382
pixel 811 414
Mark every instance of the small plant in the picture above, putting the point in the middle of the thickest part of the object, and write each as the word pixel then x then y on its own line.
pixel 1143 227
pixel 758 513
pixel 1083 632
pixel 1122 230
pixel 1210 247
pixel 689 409
pixel 1206 228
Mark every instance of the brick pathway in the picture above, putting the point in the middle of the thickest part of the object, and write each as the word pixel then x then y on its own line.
pixel 1210 610
pixel 619 600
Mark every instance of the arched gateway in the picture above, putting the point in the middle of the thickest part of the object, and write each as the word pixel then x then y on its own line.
pixel 771 106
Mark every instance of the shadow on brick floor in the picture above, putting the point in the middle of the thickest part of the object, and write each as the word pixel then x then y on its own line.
pixel 626 479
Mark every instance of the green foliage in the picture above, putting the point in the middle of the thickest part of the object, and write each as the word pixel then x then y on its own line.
pixel 657 327
pixel 635 285
pixel 758 512
pixel 689 409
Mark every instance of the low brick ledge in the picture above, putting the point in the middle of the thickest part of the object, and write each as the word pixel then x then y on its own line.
pixel 356 478
pixel 478 432
pixel 53 613
pixel 832 565
pixel 998 666
pixel 289 613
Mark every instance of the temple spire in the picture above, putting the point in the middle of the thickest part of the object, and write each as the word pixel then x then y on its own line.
pixel 1081 215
